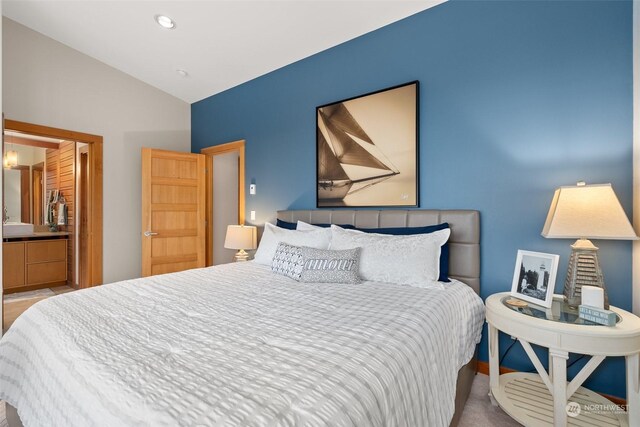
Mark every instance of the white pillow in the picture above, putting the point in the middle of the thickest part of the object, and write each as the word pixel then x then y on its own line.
pixel 305 226
pixel 318 239
pixel 301 225
pixel 406 260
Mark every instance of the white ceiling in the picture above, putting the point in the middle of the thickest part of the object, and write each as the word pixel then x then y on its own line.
pixel 220 43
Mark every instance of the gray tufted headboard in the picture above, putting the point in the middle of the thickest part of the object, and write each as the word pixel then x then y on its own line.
pixel 464 243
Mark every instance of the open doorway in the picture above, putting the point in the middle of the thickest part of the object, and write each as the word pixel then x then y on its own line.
pixel 52 227
pixel 225 197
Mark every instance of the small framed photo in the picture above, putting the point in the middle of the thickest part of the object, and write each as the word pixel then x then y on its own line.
pixel 534 278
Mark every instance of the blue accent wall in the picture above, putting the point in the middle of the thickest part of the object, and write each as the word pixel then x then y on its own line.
pixel 516 99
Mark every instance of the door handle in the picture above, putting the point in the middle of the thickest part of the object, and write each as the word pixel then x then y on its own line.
pixel 150 233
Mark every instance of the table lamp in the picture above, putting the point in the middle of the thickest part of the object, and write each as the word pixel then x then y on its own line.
pixel 586 212
pixel 241 237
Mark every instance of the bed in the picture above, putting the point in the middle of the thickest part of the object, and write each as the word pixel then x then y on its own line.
pixel 236 345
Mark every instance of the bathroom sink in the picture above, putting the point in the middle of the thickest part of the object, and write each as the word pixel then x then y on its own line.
pixel 16 229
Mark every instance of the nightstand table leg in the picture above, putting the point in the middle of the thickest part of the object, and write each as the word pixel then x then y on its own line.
pixel 633 389
pixel 559 369
pixel 494 359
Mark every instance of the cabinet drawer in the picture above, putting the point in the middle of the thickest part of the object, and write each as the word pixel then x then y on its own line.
pixel 46 272
pixel 13 264
pixel 47 250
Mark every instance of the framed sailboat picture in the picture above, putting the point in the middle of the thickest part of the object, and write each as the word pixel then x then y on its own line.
pixel 367 149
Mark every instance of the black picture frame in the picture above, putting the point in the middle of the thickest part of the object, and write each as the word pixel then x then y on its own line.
pixel 360 141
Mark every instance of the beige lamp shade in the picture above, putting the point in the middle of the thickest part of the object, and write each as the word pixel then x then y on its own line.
pixel 587 212
pixel 241 237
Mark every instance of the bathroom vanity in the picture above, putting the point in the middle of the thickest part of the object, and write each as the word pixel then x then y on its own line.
pixel 34 260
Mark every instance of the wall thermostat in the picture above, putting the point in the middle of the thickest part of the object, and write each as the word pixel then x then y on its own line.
pixel 252 189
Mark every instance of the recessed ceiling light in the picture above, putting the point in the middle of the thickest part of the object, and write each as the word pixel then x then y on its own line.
pixel 182 73
pixel 165 22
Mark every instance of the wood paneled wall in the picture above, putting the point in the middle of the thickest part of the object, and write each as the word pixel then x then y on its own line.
pixel 61 165
pixel 52 166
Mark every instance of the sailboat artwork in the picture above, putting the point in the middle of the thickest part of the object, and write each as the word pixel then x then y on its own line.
pixel 367 141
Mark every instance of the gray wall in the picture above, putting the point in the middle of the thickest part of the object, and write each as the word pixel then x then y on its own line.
pixel 47 83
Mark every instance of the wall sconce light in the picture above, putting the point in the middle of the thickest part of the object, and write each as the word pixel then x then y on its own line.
pixel 10 159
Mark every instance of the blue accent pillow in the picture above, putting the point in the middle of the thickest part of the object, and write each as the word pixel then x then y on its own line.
pixel 345 226
pixel 288 225
pixel 406 231
pixel 294 225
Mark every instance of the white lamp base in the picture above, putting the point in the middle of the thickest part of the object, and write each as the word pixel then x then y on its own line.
pixel 241 256
pixel 584 270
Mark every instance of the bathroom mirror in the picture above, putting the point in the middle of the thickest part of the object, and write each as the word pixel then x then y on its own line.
pixel 14 189
pixel 23 186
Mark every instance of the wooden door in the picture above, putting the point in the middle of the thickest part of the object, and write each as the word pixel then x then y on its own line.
pixel 25 194
pixel 37 193
pixel 173 211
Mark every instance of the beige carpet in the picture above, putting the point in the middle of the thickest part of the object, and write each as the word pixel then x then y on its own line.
pixel 478 413
pixel 21 296
pixel 3 415
pixel 17 303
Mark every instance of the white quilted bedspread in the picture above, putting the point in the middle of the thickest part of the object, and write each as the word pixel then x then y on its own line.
pixel 237 345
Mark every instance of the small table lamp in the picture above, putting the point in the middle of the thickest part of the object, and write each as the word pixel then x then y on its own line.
pixel 582 212
pixel 241 237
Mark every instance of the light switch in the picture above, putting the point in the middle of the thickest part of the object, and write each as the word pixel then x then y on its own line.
pixel 253 215
pixel 252 189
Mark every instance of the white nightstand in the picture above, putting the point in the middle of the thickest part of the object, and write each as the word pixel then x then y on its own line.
pixel 541 399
